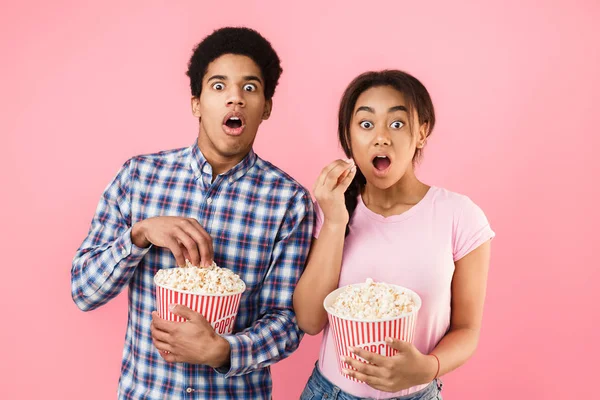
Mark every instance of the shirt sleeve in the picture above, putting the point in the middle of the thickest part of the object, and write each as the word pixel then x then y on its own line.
pixel 107 258
pixel 276 334
pixel 470 230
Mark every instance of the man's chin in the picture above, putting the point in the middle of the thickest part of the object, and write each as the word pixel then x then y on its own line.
pixel 233 150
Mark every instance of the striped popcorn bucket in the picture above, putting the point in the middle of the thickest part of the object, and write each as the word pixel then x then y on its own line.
pixel 369 334
pixel 219 310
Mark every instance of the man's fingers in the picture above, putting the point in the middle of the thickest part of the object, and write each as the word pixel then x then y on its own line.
pixel 162 346
pixel 160 335
pixel 203 242
pixel 185 312
pixel 168 357
pixel 190 245
pixel 175 248
pixel 163 325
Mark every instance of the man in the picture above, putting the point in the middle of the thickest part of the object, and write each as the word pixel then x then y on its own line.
pixel 214 200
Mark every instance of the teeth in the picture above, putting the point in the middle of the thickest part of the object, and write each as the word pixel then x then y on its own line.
pixel 234 118
pixel 381 156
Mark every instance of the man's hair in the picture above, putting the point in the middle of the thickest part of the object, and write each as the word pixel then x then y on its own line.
pixel 241 41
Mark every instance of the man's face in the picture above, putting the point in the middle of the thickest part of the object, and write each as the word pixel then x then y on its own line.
pixel 231 106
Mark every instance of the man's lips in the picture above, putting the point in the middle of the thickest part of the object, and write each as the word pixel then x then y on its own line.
pixel 234 116
pixel 234 123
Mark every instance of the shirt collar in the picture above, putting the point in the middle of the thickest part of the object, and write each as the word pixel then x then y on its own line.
pixel 203 170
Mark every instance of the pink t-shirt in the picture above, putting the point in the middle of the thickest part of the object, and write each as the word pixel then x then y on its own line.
pixel 416 249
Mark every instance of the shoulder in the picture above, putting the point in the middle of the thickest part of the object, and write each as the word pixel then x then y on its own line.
pixel 452 202
pixel 280 182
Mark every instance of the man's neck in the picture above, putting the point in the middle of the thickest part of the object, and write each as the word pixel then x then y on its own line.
pixel 220 163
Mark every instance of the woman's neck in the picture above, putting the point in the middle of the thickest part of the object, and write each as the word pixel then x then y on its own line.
pixel 396 199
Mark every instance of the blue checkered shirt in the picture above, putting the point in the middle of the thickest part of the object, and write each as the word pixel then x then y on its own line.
pixel 261 223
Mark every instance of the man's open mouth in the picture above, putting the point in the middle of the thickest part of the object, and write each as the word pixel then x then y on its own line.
pixel 234 123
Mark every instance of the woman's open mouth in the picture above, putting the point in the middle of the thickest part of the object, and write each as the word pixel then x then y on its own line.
pixel 381 165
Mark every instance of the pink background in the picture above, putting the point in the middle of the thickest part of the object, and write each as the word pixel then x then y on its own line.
pixel 86 85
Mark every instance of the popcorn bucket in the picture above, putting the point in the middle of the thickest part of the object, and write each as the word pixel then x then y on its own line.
pixel 370 334
pixel 220 310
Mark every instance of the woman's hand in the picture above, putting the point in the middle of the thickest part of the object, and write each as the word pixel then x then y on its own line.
pixel 329 190
pixel 406 369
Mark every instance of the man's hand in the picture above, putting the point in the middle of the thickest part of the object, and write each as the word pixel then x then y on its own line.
pixel 193 341
pixel 185 237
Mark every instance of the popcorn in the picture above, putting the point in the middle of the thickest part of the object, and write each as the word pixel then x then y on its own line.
pixel 372 301
pixel 191 279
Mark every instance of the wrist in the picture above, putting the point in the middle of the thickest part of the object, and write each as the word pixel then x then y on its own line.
pixel 431 368
pixel 138 235
pixel 222 353
pixel 334 226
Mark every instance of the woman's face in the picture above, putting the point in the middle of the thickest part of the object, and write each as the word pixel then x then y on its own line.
pixel 382 143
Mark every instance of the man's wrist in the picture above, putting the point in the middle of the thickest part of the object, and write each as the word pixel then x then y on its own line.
pixel 138 236
pixel 222 353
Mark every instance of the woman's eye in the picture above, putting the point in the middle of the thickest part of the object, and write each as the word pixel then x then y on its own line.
pixel 397 124
pixel 366 125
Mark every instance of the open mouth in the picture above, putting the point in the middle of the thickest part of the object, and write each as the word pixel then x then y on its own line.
pixel 381 163
pixel 234 123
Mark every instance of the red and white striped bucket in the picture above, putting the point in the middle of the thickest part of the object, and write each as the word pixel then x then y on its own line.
pixel 219 310
pixel 370 334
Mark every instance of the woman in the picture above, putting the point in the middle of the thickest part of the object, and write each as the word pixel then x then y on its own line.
pixel 375 219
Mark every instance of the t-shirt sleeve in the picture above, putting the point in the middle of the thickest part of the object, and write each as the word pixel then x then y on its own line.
pixel 471 229
pixel 319 218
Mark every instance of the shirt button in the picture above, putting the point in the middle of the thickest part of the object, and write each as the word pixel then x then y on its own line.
pixel 209 200
pixel 124 251
pixel 230 180
pixel 189 390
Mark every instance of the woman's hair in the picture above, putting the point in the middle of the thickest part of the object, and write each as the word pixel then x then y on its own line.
pixel 417 99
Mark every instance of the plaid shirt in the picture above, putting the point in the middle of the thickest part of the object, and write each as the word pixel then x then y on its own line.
pixel 261 223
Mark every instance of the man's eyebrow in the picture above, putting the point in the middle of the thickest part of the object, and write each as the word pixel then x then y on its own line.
pixel 217 77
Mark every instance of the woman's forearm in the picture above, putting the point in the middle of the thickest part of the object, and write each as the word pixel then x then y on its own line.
pixel 320 277
pixel 455 348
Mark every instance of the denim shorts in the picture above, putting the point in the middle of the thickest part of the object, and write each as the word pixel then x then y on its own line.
pixel 318 387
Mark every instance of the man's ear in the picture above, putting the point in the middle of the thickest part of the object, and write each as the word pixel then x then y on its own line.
pixel 196 107
pixel 268 109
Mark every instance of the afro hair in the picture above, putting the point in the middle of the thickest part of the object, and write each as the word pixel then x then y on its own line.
pixel 240 41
